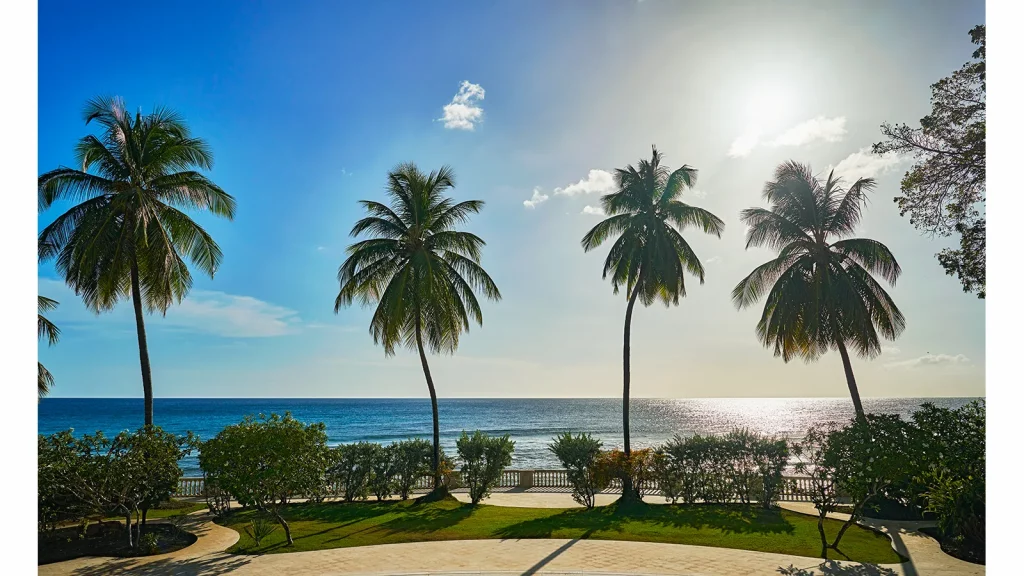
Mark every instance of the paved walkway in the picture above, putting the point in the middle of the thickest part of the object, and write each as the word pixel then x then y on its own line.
pixel 524 557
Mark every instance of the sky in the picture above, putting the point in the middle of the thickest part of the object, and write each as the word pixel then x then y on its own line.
pixel 533 104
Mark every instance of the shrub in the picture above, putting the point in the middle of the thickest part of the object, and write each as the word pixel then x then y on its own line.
pixel 412 460
pixel 95 475
pixel 352 468
pixel 264 462
pixel 637 469
pixel 817 460
pixel 738 448
pixel 382 471
pixel 149 544
pixel 771 455
pixel 578 455
pixel 679 470
pixel 484 458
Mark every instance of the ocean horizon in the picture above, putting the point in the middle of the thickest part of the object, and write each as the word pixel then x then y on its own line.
pixel 530 422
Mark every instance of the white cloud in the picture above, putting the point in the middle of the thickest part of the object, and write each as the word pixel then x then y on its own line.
pixel 464 111
pixel 321 248
pixel 203 311
pixel 713 260
pixel 596 182
pixel 820 128
pixel 890 350
pixel 536 199
pixel 930 360
pixel 744 144
pixel 698 193
pixel 865 164
pixel 594 210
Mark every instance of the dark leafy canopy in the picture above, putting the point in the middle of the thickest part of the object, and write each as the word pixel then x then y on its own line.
pixel 418 269
pixel 128 196
pixel 944 191
pixel 648 217
pixel 52 333
pixel 821 287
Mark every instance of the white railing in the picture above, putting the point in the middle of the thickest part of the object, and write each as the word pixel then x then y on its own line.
pixel 793 489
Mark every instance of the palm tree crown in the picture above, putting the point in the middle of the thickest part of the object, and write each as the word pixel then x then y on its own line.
pixel 52 333
pixel 419 270
pixel 135 180
pixel 821 292
pixel 647 215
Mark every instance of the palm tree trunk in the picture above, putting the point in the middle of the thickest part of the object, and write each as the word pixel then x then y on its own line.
pixel 433 406
pixel 147 377
pixel 627 482
pixel 851 382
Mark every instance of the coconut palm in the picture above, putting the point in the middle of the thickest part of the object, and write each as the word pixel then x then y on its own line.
pixel 419 271
pixel 650 255
pixel 126 234
pixel 821 292
pixel 52 333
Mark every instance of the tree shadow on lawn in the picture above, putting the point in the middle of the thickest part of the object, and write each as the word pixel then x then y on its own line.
pixel 614 517
pixel 833 568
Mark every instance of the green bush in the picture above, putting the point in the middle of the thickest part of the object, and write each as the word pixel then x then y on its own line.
pixel 98 476
pixel 412 460
pixel 678 470
pixel 352 469
pixel 267 461
pixel 636 470
pixel 578 455
pixel 771 455
pixel 484 458
pixel 382 471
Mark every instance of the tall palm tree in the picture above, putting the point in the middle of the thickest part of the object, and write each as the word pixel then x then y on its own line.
pixel 52 333
pixel 821 292
pixel 419 270
pixel 126 233
pixel 650 256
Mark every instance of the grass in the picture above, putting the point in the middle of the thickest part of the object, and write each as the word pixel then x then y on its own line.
pixel 168 509
pixel 340 525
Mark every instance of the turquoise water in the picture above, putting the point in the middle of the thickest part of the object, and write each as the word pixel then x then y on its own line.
pixel 530 422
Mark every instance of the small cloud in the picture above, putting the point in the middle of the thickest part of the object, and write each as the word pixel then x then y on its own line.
pixel 345 172
pixel 596 182
pixel 536 199
pixel 744 144
pixel 820 128
pixel 865 164
pixel 930 360
pixel 593 210
pixel 321 248
pixel 698 193
pixel 464 112
pixel 891 350
pixel 713 259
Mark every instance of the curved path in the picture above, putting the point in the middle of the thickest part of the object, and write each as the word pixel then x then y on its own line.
pixel 547 556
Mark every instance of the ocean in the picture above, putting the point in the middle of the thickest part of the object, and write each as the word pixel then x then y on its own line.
pixel 531 423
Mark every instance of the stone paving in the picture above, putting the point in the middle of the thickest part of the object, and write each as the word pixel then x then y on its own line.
pixel 525 557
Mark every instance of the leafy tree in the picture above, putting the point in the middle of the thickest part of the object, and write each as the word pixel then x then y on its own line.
pixel 266 461
pixel 484 458
pixel 52 333
pixel 649 256
pixel 419 271
pixel 352 468
pixel 578 455
pixel 821 292
pixel 945 188
pixel 817 459
pixel 125 235
pixel 383 471
pixel 412 461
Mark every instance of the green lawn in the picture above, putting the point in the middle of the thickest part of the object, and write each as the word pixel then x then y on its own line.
pixel 339 525
pixel 167 509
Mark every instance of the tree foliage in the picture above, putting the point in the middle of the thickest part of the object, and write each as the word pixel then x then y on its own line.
pixel 263 462
pixel 52 334
pixel 412 461
pixel 944 191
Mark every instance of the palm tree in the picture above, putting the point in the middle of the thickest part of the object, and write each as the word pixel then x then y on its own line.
pixel 419 271
pixel 822 293
pixel 52 333
pixel 650 256
pixel 126 233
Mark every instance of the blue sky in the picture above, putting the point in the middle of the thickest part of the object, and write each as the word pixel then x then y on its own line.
pixel 307 108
